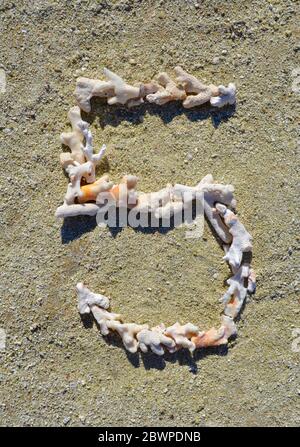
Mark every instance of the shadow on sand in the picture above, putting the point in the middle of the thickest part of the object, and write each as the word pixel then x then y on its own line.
pixel 115 115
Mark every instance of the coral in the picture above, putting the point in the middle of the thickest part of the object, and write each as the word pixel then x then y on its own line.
pixel 159 338
pixel 234 297
pixel 90 192
pixel 218 203
pixel 188 89
pixel 229 326
pixel 86 209
pixel 227 95
pixel 127 332
pixel 216 337
pixel 192 85
pixel 150 202
pixel 251 281
pixel 124 193
pixel 155 340
pixel 73 139
pixel 122 92
pixel 116 90
pixel 182 335
pixel 212 337
pixel 167 92
pixel 86 170
pixel 241 239
pixel 90 302
pixel 2 81
pixel 169 209
pixel 87 88
pixel 212 193
pixel 86 299
pixel 102 317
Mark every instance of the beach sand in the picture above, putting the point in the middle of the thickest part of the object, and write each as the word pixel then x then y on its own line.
pixel 56 370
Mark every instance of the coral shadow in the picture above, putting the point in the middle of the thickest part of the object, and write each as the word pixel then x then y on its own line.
pixel 115 115
pixel 74 227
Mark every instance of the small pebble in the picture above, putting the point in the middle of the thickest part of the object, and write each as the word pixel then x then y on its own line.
pixel 66 420
pixel 216 60
pixel 34 327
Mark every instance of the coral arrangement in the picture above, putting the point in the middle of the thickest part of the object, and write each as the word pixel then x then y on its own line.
pixel 161 338
pixel 186 88
pixel 86 195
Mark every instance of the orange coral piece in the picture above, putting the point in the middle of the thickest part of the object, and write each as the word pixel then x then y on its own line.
pixel 212 337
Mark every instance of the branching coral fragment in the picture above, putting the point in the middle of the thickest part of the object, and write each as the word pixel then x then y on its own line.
pixel 241 239
pixel 122 92
pixel 86 170
pixel 192 85
pixel 236 293
pixel 168 91
pixel 212 193
pixel 102 316
pixel 155 340
pixel 87 88
pixel 91 191
pixel 86 299
pixel 182 335
pixel 127 332
pixel 73 139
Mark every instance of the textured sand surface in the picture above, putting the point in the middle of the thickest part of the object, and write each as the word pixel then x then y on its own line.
pixel 56 371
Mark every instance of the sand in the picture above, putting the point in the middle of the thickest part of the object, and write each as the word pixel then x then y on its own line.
pixel 57 371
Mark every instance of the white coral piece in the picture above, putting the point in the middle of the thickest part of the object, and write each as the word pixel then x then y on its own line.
pixel 193 85
pixel 229 326
pixel 155 340
pixel 123 92
pixel 102 317
pixel 227 96
pixel 168 91
pixel 73 139
pixel 86 299
pixel 87 88
pixel 241 239
pixel 85 209
pixel 127 332
pixel 182 335
pixel 212 193
pixel 88 148
pixel 234 297
pixel 86 170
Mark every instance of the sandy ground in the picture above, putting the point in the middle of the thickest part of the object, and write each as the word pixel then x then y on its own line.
pixel 56 371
